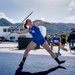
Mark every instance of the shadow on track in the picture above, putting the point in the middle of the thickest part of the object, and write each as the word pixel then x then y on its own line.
pixel 19 71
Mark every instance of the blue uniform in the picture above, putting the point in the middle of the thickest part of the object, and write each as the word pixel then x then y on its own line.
pixel 37 36
pixel 55 40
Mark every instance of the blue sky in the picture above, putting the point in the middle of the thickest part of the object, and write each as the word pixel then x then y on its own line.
pixel 48 10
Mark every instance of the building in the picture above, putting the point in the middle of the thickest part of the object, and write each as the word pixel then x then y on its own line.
pixel 5 33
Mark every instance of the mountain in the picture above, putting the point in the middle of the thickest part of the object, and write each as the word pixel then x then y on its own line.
pixel 64 27
pixel 51 29
pixel 58 27
pixel 4 22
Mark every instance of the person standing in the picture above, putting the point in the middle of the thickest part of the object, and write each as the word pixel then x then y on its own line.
pixel 72 37
pixel 63 39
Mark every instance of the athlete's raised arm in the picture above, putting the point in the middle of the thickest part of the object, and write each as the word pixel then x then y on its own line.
pixel 42 22
pixel 22 32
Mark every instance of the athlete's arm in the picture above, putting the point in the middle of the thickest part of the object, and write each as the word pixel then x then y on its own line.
pixel 42 22
pixel 22 32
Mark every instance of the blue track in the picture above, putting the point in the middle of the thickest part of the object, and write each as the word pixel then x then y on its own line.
pixel 35 65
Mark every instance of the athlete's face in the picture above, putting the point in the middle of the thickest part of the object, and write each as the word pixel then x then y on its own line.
pixel 29 22
pixel 56 35
pixel 63 33
pixel 72 30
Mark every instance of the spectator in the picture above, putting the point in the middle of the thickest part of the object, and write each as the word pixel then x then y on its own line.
pixel 63 39
pixel 48 39
pixel 72 37
pixel 55 41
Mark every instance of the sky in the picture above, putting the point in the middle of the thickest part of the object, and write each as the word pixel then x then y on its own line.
pixel 47 10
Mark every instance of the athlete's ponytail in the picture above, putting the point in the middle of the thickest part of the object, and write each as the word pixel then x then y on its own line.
pixel 25 25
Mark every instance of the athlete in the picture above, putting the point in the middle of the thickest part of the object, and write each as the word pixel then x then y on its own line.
pixel 38 39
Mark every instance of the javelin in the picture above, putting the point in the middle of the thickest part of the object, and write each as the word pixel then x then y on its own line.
pixel 16 27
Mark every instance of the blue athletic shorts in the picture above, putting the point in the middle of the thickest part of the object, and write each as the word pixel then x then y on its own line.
pixel 40 42
pixel 72 41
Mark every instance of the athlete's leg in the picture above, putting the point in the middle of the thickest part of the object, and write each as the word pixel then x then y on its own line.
pixel 45 45
pixel 29 47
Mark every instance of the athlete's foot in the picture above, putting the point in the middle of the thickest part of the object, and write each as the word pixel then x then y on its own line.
pixel 61 62
pixel 21 63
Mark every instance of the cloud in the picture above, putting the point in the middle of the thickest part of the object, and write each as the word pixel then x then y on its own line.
pixel 70 19
pixel 71 5
pixel 69 9
pixel 43 19
pixel 2 15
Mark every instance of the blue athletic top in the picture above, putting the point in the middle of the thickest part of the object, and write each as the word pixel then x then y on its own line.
pixel 35 32
pixel 55 40
pixel 37 36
